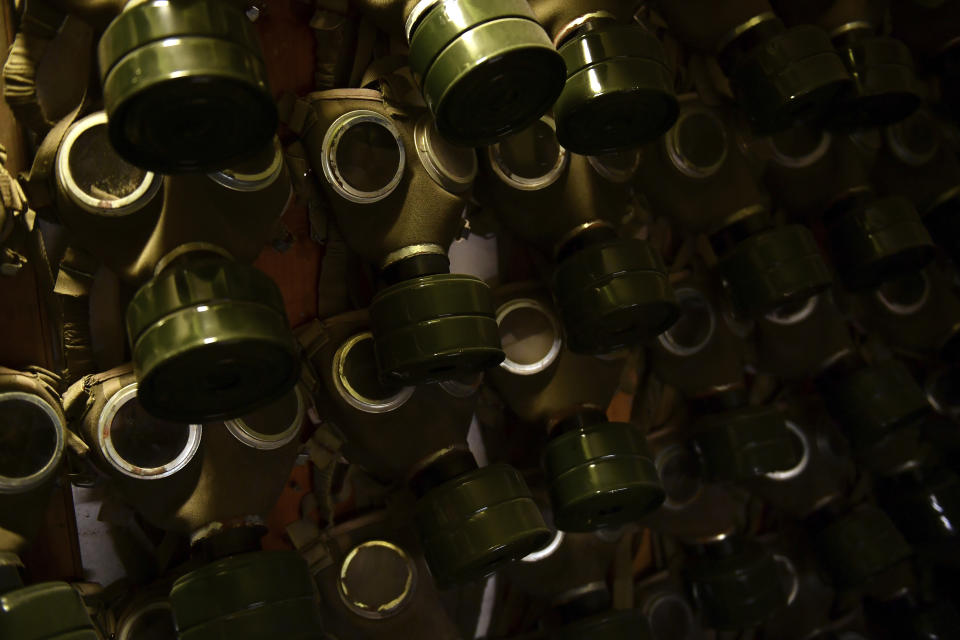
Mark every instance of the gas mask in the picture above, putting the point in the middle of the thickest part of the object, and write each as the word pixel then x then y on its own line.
pixel 700 177
pixel 599 473
pixel 209 333
pixel 471 521
pixel 779 76
pixel 486 69
pixel 397 192
pixel 918 312
pixel 33 438
pixel 611 292
pixel 885 88
pixel 185 85
pixel 216 483
pixel 619 89
pixel 917 163
pixel 825 178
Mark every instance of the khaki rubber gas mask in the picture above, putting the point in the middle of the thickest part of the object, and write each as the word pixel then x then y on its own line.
pixel 485 67
pixel 471 520
pixel 611 292
pixel 209 333
pixel 397 190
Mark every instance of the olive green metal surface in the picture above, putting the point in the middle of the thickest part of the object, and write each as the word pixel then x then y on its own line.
pixel 487 69
pixel 614 295
pixel 737 591
pixel 746 443
pixel 885 86
pixel 477 522
pixel 929 514
pixel 252 595
pixel 210 341
pixel 185 86
pixel 601 476
pixel 619 90
pixel 46 611
pixel 874 401
pixel 793 77
pixel 631 624
pixel 435 328
pixel 860 546
pixel 774 268
pixel 879 242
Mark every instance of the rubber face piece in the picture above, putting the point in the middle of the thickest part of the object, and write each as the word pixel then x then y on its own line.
pixel 885 87
pixel 614 295
pixel 619 90
pixel 859 546
pixel 872 402
pixel 185 86
pixel 486 67
pixel 774 268
pixel 267 594
pixel 792 78
pixel 737 591
pixel 435 328
pixel 601 476
pixel 474 524
pixel 611 625
pixel 46 611
pixel 746 443
pixel 210 341
pixel 879 242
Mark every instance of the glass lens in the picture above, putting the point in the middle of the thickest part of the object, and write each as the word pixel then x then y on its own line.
pixel 531 153
pixel 368 156
pixel 798 142
pixel 156 624
pixel 97 169
pixel 680 476
pixel 527 335
pixel 692 329
pixel 145 441
pixel 360 372
pixel 702 140
pixel 459 162
pixel 905 291
pixel 28 439
pixel 276 417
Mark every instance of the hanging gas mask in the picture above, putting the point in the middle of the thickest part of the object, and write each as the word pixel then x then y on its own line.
pixel 209 333
pixel 397 191
pixel 885 87
pixel 735 582
pixel 779 76
pixel 918 312
pixel 183 477
pixel 486 68
pixel 825 179
pixel 700 177
pixel 471 520
pixel 917 163
pixel 611 292
pixel 185 85
pixel 599 473
pixel 32 439
pixel 619 89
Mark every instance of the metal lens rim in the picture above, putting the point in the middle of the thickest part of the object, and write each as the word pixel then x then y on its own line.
pixel 461 389
pixel 249 436
pixel 797 316
pixel 126 628
pixel 905 309
pixel 529 184
pixel 616 176
pixel 424 132
pixel 128 204
pixel 894 135
pixel 666 339
pixel 19 485
pixel 667 597
pixel 547 551
pixel 553 352
pixel 331 141
pixel 118 462
pixel 391 608
pixel 800 162
pixel 786 563
pixel 353 397
pixel 672 143
pixel 801 466
pixel 248 182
